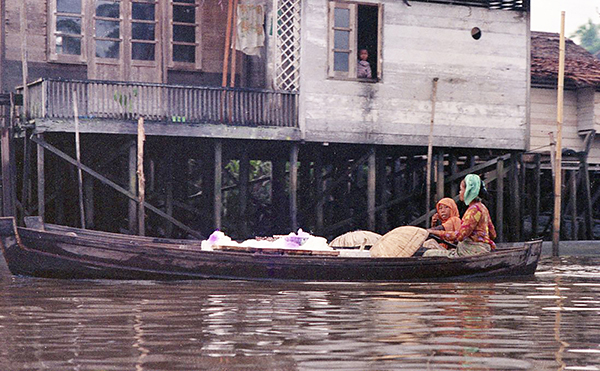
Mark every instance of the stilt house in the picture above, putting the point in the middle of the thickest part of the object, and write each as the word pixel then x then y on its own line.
pixel 221 80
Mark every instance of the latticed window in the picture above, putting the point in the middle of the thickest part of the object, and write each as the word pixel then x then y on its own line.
pixel 287 41
pixel 353 28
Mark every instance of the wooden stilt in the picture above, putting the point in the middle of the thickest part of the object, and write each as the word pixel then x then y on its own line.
pixel 59 191
pixel 244 182
pixel 499 222
pixel 439 182
pixel 587 194
pixel 536 194
pixel 78 157
pixel 294 186
pixel 382 192
pixel 141 138
pixel 168 179
pixel 88 196
pixel 41 180
pixel 515 199
pixel 371 184
pixel 430 147
pixel 218 179
pixel 319 185
pixel 278 199
pixel 26 190
pixel 132 215
pixel 8 179
pixel 453 163
pixel 573 202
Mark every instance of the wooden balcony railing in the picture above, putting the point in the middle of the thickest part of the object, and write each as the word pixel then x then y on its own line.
pixel 53 99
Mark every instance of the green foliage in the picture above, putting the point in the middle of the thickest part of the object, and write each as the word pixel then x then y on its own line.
pixel 589 36
pixel 125 100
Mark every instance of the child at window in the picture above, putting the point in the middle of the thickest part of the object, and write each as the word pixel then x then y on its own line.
pixel 363 68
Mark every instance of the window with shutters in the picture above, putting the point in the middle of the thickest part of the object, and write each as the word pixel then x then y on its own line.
pixel 65 31
pixel 354 27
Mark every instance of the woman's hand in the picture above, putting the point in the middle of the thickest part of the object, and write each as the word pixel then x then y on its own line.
pixel 434 219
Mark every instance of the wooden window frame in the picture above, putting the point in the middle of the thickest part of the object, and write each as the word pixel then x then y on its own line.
pixel 353 28
pixel 185 66
pixel 122 37
pixel 53 55
pixel 157 33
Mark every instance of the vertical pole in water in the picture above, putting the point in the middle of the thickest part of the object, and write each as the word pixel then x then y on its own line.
pixel 430 149
pixel 141 179
pixel 41 185
pixel 559 121
pixel 78 154
pixel 218 166
pixel 294 186
pixel 371 184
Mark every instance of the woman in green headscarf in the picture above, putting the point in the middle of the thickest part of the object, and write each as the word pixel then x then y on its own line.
pixel 476 233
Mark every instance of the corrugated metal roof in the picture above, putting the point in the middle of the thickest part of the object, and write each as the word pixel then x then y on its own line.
pixel 582 69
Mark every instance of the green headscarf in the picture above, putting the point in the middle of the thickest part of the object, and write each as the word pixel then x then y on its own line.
pixel 472 186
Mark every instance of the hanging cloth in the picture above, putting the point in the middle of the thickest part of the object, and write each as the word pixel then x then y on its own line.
pixel 250 34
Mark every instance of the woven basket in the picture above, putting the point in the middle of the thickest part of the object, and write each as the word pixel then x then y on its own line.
pixel 401 242
pixel 355 238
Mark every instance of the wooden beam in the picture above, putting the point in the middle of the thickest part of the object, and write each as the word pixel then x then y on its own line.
pixel 573 202
pixel 218 181
pixel 294 186
pixel 132 210
pixel 141 179
pixel 319 190
pixel 430 146
pixel 371 185
pixel 113 185
pixel 26 187
pixel 41 180
pixel 515 199
pixel 244 180
pixel 587 194
pixel 8 180
pixel 78 157
pixel 499 224
pixel 535 212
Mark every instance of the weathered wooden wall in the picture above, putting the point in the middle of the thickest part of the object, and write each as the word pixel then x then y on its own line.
pixel 213 39
pixel 482 90
pixel 543 120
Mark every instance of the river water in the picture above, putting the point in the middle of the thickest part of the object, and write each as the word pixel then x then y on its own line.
pixel 548 322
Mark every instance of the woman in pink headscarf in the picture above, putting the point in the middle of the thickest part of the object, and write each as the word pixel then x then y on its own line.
pixel 448 217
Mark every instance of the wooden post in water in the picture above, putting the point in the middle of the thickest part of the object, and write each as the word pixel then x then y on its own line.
pixel 78 154
pixel 535 210
pixel 132 208
pixel 500 200
pixel 8 180
pixel 573 202
pixel 244 179
pixel 439 181
pixel 218 195
pixel 141 138
pixel 24 67
pixel 294 186
pixel 319 190
pixel 371 182
pixel 41 180
pixel 559 122
pixel 430 149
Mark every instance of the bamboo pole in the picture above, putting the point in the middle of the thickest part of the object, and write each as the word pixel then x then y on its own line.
pixel 559 122
pixel 227 43
pixel 78 154
pixel 141 137
pixel 233 42
pixel 430 147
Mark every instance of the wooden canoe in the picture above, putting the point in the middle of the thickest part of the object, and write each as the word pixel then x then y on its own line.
pixel 84 254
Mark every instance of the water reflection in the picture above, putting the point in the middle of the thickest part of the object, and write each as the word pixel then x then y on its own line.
pixel 549 322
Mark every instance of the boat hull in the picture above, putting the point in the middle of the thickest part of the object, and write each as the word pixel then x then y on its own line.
pixel 40 253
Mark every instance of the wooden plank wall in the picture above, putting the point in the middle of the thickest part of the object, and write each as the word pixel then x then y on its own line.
pixel 482 92
pixel 543 121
